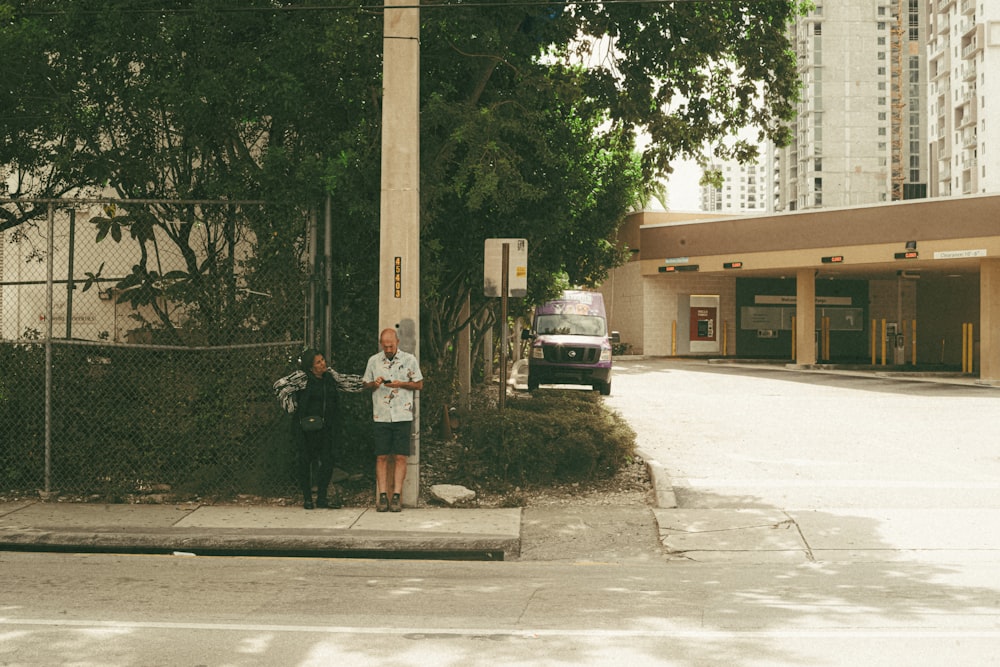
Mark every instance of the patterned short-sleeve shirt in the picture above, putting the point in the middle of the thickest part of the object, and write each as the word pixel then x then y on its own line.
pixel 393 405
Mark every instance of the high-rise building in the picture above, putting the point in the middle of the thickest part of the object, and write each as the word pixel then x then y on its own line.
pixel 859 136
pixel 963 65
pixel 745 189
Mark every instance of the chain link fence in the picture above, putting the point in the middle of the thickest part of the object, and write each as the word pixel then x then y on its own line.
pixel 139 344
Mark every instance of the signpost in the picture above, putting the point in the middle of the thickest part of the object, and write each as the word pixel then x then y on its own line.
pixel 505 274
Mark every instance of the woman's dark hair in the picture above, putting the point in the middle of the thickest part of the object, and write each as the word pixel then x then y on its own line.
pixel 307 358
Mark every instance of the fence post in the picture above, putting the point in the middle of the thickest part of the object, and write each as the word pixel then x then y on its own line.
pixel 50 252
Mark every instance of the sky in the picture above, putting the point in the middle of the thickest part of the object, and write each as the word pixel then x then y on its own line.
pixel 683 193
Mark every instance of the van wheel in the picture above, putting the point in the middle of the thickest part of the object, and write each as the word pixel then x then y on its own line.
pixel 532 383
pixel 603 387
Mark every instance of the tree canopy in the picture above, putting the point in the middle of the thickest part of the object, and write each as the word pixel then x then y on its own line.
pixel 529 118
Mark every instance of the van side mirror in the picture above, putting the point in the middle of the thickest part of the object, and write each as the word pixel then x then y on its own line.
pixel 616 337
pixel 526 334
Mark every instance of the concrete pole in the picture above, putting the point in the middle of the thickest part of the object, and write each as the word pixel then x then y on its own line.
pixel 805 317
pixel 399 263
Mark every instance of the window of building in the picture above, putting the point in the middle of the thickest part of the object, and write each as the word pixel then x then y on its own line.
pixel 882 115
pixel 881 132
pixel 817 28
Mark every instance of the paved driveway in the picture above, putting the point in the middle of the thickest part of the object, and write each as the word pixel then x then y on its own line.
pixel 846 462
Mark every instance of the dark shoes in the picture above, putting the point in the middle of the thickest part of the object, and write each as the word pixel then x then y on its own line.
pixel 325 504
pixel 395 505
pixel 308 505
pixel 383 503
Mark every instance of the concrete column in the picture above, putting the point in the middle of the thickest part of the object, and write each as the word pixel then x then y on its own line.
pixel 399 263
pixel 989 321
pixel 805 317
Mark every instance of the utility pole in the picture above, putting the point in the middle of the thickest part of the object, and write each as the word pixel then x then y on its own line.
pixel 399 250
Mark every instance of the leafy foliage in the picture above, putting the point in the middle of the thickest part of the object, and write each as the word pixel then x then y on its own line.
pixel 547 437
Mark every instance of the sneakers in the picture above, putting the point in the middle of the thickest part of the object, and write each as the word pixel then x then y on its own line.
pixel 383 503
pixel 395 505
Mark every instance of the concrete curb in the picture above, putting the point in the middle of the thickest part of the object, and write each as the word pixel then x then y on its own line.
pixel 339 543
pixel 663 487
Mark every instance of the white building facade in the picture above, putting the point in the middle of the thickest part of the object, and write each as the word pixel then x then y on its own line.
pixel 963 49
pixel 859 137
pixel 745 188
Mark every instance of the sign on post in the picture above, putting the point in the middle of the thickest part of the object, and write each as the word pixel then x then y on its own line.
pixel 517 270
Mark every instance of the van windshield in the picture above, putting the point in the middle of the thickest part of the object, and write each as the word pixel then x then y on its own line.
pixel 571 325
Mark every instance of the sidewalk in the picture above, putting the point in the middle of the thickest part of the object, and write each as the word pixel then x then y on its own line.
pixel 467 534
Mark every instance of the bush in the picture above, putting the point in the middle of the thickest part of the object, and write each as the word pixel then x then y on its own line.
pixel 552 436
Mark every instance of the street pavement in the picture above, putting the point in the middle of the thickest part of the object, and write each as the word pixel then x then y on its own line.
pixel 700 534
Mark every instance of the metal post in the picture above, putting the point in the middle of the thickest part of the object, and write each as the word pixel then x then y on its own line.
pixel 328 281
pixel 70 286
pixel 504 286
pixel 48 349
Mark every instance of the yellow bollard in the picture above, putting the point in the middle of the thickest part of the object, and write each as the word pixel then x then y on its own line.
pixel 965 336
pixel 913 342
pixel 725 337
pixel 883 341
pixel 874 343
pixel 967 348
pixel 826 338
pixel 673 339
pixel 794 356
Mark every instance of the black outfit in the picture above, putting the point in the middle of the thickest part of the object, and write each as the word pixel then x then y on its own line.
pixel 319 397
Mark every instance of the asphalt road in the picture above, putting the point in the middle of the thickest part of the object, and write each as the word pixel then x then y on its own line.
pixel 105 610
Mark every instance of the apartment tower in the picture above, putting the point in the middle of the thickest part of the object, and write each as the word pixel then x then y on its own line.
pixel 859 135
pixel 963 63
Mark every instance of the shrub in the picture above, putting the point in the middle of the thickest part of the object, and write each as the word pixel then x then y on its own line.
pixel 552 436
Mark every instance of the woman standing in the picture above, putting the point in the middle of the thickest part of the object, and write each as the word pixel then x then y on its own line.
pixel 315 417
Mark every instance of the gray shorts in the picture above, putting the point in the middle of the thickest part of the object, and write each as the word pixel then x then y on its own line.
pixel 392 438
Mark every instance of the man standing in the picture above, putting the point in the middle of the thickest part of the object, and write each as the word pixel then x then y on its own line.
pixel 392 375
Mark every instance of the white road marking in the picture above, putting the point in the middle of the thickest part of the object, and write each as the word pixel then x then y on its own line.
pixel 588 633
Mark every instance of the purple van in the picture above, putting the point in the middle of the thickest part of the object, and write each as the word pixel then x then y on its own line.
pixel 570 342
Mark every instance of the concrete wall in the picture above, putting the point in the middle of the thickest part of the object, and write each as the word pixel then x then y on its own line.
pixel 623 301
pixel 663 298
